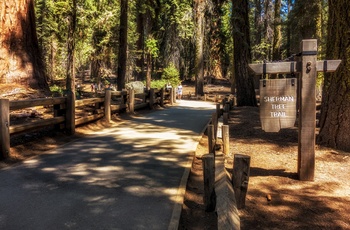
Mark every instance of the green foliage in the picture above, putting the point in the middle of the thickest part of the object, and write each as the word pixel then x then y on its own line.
pixel 152 47
pixel 158 84
pixel 56 89
pixel 171 75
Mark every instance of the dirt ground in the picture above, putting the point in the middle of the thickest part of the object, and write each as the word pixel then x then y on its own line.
pixel 321 204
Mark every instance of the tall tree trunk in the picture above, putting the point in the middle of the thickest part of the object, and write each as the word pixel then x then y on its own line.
pixel 140 62
pixel 123 44
pixel 242 56
pixel 216 41
pixel 335 114
pixel 199 6
pixel 70 74
pixel 20 57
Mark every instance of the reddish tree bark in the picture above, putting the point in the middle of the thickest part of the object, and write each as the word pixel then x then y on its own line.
pixel 335 114
pixel 20 58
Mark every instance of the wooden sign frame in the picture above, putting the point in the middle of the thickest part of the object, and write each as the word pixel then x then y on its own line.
pixel 308 68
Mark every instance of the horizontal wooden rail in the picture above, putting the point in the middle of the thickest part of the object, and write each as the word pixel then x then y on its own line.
pixel 14 105
pixel 88 119
pixel 35 124
pixel 88 101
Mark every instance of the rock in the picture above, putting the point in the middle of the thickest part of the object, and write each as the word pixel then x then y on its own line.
pixel 138 86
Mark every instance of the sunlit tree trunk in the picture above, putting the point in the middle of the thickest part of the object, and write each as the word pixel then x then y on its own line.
pixel 199 6
pixel 335 114
pixel 72 21
pixel 216 41
pixel 20 57
pixel 123 44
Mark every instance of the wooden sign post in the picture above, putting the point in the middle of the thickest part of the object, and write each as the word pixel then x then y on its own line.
pixel 308 68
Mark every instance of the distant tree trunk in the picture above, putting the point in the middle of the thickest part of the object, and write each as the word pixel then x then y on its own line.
pixel 277 37
pixel 140 62
pixel 335 114
pixel 20 57
pixel 242 57
pixel 123 44
pixel 199 6
pixel 258 25
pixel 70 74
pixel 304 19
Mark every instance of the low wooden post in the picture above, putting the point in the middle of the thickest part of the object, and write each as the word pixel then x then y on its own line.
pixel 107 104
pixel 151 98
pixel 218 110
pixel 4 128
pixel 225 119
pixel 208 162
pixel 174 95
pixel 226 139
pixel 171 92
pixel 70 113
pixel 131 100
pixel 240 178
pixel 234 101
pixel 162 97
pixel 211 139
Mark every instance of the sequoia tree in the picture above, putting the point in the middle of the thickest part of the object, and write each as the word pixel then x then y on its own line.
pixel 199 8
pixel 335 114
pixel 20 59
pixel 242 54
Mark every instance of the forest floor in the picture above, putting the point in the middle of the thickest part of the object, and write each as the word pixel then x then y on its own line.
pixel 321 204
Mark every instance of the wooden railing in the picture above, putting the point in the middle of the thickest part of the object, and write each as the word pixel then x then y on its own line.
pixel 64 115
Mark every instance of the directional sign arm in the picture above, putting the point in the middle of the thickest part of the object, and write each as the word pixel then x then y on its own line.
pixel 327 66
pixel 292 67
pixel 274 68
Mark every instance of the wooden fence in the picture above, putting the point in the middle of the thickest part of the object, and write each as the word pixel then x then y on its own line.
pixel 64 117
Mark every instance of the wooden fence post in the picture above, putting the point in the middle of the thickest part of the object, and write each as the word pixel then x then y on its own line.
pixel 107 104
pixel 226 139
pixel 174 94
pixel 214 121
pixel 171 92
pixel 70 113
pixel 225 119
pixel 218 110
pixel 211 139
pixel 4 128
pixel 131 100
pixel 208 162
pixel 240 178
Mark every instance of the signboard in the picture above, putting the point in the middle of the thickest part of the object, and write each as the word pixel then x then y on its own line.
pixel 278 104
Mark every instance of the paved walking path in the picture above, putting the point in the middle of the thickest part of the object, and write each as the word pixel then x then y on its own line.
pixel 128 177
